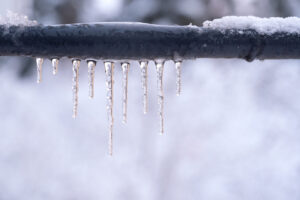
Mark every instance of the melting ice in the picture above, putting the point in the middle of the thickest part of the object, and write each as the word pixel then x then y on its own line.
pixel 160 70
pixel 76 64
pixel 144 72
pixel 178 77
pixel 125 69
pixel 54 62
pixel 91 77
pixel 39 63
pixel 109 70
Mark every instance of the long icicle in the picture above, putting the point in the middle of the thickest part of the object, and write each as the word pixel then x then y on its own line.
pixel 144 73
pixel 76 64
pixel 91 77
pixel 109 70
pixel 178 77
pixel 39 64
pixel 125 69
pixel 160 70
pixel 54 62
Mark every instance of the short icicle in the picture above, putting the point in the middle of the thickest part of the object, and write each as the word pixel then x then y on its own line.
pixel 144 73
pixel 178 77
pixel 76 64
pixel 54 62
pixel 160 70
pixel 91 77
pixel 39 64
pixel 109 70
pixel 125 69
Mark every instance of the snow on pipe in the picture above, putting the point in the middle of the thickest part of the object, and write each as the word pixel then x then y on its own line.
pixel 138 41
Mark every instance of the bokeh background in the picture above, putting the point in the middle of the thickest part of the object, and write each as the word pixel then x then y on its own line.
pixel 232 134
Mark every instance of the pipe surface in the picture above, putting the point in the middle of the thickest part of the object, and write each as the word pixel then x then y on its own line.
pixel 139 41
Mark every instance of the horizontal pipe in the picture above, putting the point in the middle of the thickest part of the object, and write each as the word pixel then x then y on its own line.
pixel 139 41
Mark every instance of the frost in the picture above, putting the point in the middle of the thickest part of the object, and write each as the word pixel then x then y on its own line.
pixel 261 25
pixel 12 18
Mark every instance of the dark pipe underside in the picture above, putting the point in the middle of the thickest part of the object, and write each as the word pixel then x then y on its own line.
pixel 138 41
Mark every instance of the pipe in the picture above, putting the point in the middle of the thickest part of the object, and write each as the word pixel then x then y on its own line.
pixel 139 41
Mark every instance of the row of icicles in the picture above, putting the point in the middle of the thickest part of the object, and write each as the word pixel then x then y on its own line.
pixel 109 70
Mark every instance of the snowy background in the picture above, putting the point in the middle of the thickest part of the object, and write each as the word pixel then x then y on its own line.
pixel 232 134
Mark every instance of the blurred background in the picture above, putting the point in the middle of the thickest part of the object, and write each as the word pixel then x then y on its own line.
pixel 232 134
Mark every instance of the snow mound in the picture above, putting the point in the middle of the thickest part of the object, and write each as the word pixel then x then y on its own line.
pixel 16 19
pixel 261 25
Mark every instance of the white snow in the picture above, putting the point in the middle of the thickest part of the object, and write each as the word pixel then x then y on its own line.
pixel 12 18
pixel 261 25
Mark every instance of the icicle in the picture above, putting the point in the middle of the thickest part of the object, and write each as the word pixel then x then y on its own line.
pixel 109 70
pixel 178 77
pixel 144 69
pixel 160 70
pixel 39 63
pixel 76 64
pixel 91 75
pixel 54 62
pixel 125 69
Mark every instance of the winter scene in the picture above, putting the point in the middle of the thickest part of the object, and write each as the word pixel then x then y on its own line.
pixel 150 99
